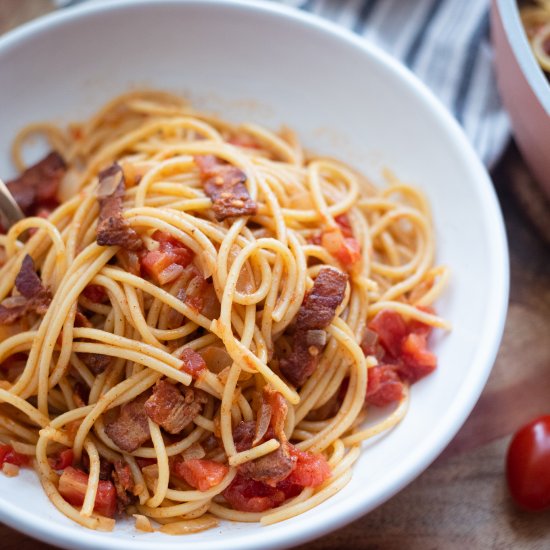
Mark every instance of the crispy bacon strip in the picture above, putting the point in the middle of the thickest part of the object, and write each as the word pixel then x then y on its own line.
pixel 271 468
pixel 96 362
pixel 131 428
pixel 275 466
pixel 112 228
pixel 123 482
pixel 171 409
pixel 36 187
pixel 316 313
pixel 34 297
pixel 225 185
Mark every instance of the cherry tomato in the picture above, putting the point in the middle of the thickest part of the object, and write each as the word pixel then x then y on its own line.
pixel 528 465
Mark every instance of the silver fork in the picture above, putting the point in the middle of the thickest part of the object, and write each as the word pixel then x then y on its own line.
pixel 10 213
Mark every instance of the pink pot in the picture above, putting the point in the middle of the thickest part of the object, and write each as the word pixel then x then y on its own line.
pixel 524 88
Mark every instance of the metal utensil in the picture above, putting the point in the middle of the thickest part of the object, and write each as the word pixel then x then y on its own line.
pixel 10 213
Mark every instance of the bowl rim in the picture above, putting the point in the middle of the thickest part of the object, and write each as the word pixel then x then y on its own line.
pixel 519 44
pixel 434 442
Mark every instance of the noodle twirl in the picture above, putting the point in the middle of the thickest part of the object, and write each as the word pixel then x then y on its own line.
pixel 197 318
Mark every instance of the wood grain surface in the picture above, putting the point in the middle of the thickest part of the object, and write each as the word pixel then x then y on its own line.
pixel 460 501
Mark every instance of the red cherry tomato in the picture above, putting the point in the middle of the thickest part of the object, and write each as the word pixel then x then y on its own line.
pixel 528 465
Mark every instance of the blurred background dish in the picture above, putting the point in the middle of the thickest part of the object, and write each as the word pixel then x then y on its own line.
pixel 524 88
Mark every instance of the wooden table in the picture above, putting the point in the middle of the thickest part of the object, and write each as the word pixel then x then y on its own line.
pixel 461 500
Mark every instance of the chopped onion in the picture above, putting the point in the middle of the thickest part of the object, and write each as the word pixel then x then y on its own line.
pixel 332 240
pixel 14 301
pixel 108 185
pixel 11 470
pixel 216 358
pixel 245 281
pixel 151 472
pixel 190 526
pixel 262 422
pixel 143 523
pixel 370 338
pixel 316 338
pixel 193 452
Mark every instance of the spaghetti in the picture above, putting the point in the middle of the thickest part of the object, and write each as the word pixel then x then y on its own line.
pixel 196 318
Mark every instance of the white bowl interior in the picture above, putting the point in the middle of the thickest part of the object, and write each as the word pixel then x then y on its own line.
pixel 345 99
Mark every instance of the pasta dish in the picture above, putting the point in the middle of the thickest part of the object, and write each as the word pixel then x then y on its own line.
pixel 198 318
pixel 535 17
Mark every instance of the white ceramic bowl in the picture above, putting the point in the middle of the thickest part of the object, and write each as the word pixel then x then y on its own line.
pixel 345 98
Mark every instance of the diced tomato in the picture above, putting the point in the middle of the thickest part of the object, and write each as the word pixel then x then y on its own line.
pixel 7 454
pixel 345 226
pixel 192 362
pixel 62 460
pixel 346 249
pixel 247 495
pixel 350 252
pixel 161 266
pixel 289 488
pixel 72 487
pixel 200 473
pixel 311 470
pixel 406 349
pixel 384 386
pixel 166 264
pixel 95 293
pixel 418 360
pixel 391 330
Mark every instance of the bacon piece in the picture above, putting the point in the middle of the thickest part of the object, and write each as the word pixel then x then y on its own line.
pixel 131 428
pixel 27 282
pixel 34 298
pixel 192 362
pixel 95 293
pixel 271 468
pixel 123 481
pixel 96 362
pixel 112 228
pixel 171 409
pixel 225 185
pixel 36 187
pixel 316 312
pixel 243 435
